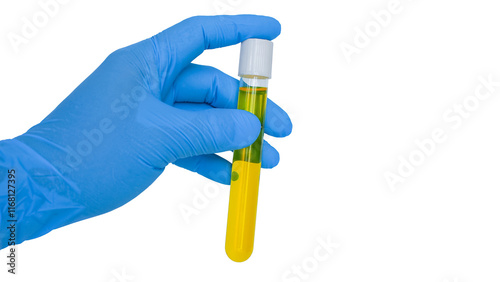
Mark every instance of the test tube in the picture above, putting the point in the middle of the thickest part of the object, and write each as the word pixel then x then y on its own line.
pixel 254 71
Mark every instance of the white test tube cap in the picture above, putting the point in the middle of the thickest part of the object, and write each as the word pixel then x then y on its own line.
pixel 256 57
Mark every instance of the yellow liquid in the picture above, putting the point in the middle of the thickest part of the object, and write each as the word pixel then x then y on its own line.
pixel 245 181
pixel 242 210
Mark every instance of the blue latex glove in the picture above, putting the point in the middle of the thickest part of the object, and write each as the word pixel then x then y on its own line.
pixel 146 106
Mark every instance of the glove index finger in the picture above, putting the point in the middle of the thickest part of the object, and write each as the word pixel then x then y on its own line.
pixel 180 44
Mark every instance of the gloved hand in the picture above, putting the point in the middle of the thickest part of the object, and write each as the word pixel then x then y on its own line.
pixel 146 106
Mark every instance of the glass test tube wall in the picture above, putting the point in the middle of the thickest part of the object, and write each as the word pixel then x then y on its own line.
pixel 255 69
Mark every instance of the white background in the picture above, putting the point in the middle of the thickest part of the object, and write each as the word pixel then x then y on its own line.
pixel 351 123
